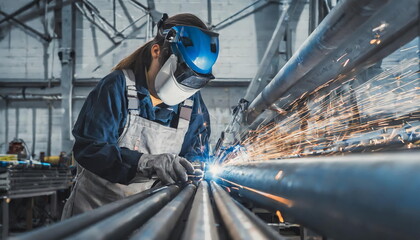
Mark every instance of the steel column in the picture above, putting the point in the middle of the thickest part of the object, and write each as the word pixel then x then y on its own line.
pixel 209 19
pixel 365 196
pixel 270 52
pixel 313 15
pixel 33 132
pixel 49 128
pixel 67 71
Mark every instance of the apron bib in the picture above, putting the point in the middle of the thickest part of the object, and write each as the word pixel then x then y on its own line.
pixel 91 191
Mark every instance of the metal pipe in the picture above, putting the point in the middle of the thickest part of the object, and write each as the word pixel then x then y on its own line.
pixel 77 223
pixel 121 224
pixel 271 50
pixel 6 125
pixel 318 59
pixel 239 226
pixel 209 19
pixel 289 17
pixel 201 224
pixel 259 223
pixel 366 196
pixel 17 120
pixel 33 132
pixel 313 15
pixel 167 216
pixel 67 73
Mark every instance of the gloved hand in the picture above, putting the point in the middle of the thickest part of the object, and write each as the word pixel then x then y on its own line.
pixel 169 168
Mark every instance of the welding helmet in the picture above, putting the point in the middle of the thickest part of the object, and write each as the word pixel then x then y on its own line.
pixel 189 67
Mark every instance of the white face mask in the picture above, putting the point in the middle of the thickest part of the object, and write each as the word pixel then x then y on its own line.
pixel 166 86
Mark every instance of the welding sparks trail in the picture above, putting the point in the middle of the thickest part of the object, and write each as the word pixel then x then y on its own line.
pixel 383 110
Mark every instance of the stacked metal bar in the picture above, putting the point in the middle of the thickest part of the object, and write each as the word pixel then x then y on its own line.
pixel 26 181
pixel 158 214
pixel 365 196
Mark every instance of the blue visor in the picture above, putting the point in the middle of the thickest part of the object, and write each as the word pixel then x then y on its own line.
pixel 197 47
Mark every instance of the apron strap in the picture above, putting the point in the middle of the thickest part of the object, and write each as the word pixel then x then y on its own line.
pixel 130 83
pixel 185 114
pixel 133 102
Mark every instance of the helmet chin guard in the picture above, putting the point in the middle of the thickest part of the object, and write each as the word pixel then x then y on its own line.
pixel 167 87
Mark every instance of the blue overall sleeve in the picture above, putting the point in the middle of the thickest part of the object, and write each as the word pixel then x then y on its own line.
pixel 100 122
pixel 196 140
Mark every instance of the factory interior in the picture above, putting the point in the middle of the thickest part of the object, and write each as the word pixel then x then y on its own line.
pixel 310 128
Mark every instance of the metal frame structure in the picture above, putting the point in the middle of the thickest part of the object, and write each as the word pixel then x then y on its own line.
pixel 318 59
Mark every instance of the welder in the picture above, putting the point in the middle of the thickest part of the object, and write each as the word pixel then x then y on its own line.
pixel 146 120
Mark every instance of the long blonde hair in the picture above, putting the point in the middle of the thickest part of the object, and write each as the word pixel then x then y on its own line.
pixel 141 58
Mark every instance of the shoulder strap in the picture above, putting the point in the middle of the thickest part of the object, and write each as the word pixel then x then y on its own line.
pixel 130 83
pixel 186 109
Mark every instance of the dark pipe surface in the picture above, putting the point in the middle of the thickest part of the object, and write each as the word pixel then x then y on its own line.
pixel 71 225
pixel 361 196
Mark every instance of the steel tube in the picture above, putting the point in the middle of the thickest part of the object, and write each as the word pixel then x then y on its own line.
pixel 260 223
pixel 121 224
pixel 333 49
pixel 365 196
pixel 201 224
pixel 270 52
pixel 167 217
pixel 77 223
pixel 239 226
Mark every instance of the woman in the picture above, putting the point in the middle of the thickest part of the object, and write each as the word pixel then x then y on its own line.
pixel 143 118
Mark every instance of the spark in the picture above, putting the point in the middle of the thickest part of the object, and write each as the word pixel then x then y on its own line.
pixel 281 219
pixel 278 176
pixel 339 119
pixel 341 57
pixel 380 28
pixel 285 201
pixel 346 62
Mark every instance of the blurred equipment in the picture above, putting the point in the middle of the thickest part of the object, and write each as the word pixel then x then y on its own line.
pixel 24 182
pixel 18 146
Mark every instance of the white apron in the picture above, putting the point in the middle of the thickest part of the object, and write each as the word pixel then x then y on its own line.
pixel 91 191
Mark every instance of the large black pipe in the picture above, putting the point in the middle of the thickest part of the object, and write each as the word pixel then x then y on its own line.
pixel 366 196
pixel 201 224
pixel 69 226
pixel 341 44
pixel 160 226
pixel 123 223
pixel 237 223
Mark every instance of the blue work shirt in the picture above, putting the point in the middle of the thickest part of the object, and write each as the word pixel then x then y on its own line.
pixel 102 119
